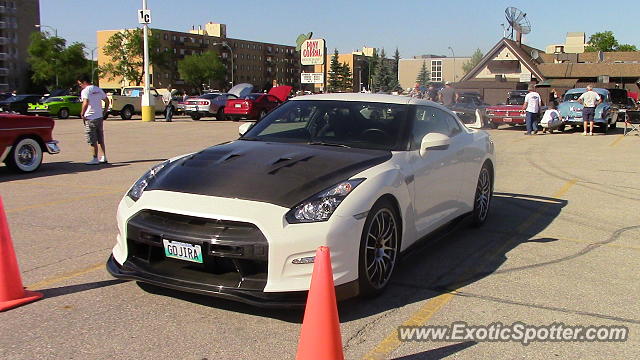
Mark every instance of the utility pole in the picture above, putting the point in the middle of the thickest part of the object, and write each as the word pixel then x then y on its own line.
pixel 148 111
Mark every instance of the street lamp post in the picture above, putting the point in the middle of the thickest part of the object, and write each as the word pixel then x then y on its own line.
pixel 454 63
pixel 92 51
pixel 55 31
pixel 224 43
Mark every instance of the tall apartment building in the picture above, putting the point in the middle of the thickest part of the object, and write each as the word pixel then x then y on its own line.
pixel 17 21
pixel 258 63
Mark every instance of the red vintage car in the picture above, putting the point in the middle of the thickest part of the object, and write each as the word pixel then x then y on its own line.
pixel 24 139
pixel 509 113
pixel 256 105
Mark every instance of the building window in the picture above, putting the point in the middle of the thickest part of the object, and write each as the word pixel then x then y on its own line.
pixel 436 70
pixel 166 36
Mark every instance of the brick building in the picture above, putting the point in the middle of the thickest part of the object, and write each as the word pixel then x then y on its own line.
pixel 17 21
pixel 261 64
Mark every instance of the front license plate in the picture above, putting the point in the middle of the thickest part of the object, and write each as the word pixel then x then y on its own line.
pixel 508 120
pixel 238 105
pixel 182 251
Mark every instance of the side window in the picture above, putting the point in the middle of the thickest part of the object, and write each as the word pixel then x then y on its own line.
pixel 429 119
pixel 454 125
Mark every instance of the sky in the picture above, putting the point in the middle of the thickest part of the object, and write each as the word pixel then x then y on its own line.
pixel 415 27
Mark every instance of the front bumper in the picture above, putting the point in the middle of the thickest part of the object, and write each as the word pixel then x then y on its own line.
pixel 38 111
pixel 251 262
pixel 506 120
pixel 129 271
pixel 52 147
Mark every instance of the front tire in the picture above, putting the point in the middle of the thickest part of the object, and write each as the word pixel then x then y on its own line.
pixel 482 199
pixel 126 113
pixel 63 113
pixel 379 248
pixel 25 156
pixel 220 114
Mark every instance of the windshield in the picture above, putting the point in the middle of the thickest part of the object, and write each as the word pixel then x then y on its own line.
pixel 251 96
pixel 53 99
pixel 572 96
pixel 334 123
pixel 515 99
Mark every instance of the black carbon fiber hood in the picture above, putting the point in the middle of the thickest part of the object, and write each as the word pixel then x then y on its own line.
pixel 276 173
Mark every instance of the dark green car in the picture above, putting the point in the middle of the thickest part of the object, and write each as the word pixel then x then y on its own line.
pixel 60 106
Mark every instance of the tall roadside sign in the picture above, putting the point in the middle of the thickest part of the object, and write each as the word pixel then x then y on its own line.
pixel 313 52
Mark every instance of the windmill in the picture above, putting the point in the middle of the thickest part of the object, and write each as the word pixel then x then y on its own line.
pixel 518 22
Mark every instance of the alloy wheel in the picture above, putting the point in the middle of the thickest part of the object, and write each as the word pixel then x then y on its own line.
pixel 381 248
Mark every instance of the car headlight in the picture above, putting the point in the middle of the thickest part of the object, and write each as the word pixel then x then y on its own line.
pixel 321 206
pixel 138 188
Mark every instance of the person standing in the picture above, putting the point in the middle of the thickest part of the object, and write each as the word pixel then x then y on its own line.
pixel 448 95
pixel 590 99
pixel 553 97
pixel 93 114
pixel 432 93
pixel 532 104
pixel 167 98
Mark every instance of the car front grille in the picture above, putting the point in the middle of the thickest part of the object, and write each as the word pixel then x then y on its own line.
pixel 234 253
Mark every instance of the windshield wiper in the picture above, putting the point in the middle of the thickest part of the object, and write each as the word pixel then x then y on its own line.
pixel 249 139
pixel 327 144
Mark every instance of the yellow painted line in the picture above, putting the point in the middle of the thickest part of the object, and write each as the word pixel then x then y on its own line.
pixel 63 201
pixel 433 305
pixel 57 279
pixel 565 188
pixel 617 141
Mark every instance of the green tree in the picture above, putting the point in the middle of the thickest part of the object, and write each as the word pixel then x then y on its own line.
pixel 126 50
pixel 626 47
pixel 394 85
pixel 346 80
pixel 606 42
pixel 423 76
pixel 382 76
pixel 335 69
pixel 201 69
pixel 471 63
pixel 373 65
pixel 53 62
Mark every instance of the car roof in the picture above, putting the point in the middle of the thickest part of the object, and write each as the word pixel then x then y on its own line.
pixel 375 98
pixel 576 90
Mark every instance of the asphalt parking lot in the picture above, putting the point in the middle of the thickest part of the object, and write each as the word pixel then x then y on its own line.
pixel 561 245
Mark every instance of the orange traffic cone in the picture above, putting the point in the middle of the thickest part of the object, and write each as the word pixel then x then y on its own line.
pixel 320 335
pixel 12 294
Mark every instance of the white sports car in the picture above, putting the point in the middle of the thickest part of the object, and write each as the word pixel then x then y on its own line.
pixel 367 175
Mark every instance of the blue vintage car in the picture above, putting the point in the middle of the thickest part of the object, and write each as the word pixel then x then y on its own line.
pixel 571 110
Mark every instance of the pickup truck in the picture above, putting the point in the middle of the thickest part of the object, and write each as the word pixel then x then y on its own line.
pixel 130 102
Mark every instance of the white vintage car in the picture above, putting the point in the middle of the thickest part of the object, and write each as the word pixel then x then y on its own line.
pixel 367 175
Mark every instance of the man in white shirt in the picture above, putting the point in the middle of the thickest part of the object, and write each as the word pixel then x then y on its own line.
pixel 92 114
pixel 590 99
pixel 532 104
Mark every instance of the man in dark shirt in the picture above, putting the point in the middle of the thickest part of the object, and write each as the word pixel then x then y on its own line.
pixel 448 95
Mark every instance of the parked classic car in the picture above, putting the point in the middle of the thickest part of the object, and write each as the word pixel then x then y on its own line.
pixel 571 110
pixel 470 109
pixel 23 140
pixel 367 175
pixel 256 105
pixel 130 102
pixel 60 106
pixel 509 113
pixel 18 103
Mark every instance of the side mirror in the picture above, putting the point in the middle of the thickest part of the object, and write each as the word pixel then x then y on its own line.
pixel 434 141
pixel 244 128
